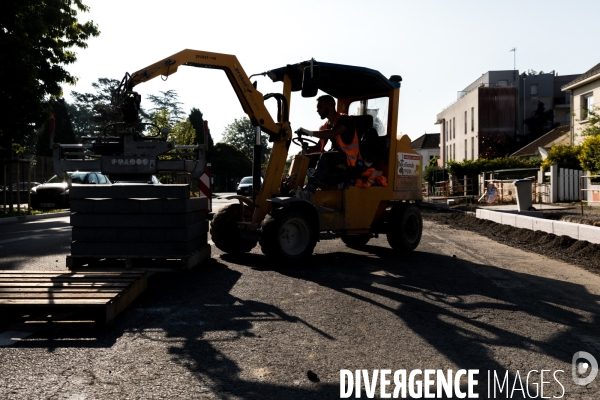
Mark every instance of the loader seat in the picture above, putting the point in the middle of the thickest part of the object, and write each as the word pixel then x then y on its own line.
pixel 370 143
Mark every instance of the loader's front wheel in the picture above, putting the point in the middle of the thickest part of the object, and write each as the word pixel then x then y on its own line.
pixel 287 234
pixel 225 233
pixel 356 241
pixel 405 227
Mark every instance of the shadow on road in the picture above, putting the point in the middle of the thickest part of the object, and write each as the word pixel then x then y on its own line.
pixel 450 303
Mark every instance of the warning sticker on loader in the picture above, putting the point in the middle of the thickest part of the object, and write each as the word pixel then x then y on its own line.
pixel 409 165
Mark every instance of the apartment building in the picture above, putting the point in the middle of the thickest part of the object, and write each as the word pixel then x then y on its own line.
pixel 494 107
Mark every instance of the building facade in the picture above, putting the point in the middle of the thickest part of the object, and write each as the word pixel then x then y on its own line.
pixel 492 111
pixel 583 92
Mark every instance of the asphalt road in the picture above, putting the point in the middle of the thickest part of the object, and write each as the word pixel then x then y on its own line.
pixel 244 328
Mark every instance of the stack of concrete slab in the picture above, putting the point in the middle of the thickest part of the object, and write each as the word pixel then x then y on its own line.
pixel 138 222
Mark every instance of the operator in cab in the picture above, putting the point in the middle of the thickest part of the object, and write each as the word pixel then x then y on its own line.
pixel 344 154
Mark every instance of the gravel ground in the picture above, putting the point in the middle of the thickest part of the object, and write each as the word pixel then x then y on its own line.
pixel 576 252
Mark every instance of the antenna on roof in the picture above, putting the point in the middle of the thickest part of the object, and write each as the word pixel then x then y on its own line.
pixel 514 50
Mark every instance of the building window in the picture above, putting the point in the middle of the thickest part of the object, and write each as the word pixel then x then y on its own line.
pixel 472 148
pixel 503 83
pixel 587 104
pixel 454 151
pixel 472 119
pixel 465 150
pixel 465 122
pixel 453 128
pixel 534 90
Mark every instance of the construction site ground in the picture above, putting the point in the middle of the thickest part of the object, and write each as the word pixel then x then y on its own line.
pixel 580 253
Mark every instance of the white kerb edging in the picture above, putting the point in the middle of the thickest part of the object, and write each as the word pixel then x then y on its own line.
pixel 558 228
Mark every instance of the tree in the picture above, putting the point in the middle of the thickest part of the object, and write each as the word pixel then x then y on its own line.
pixel 495 146
pixel 592 128
pixel 168 100
pixel 564 156
pixel 36 38
pixel 229 162
pixel 241 134
pixel 539 124
pixel 94 110
pixel 63 129
pixel 590 154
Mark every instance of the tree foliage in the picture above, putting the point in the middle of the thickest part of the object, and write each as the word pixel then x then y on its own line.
pixel 168 100
pixel 495 146
pixel 241 134
pixel 564 156
pixel 63 129
pixel 590 154
pixel 592 128
pixel 230 161
pixel 36 42
pixel 91 111
pixel 539 124
pixel 475 167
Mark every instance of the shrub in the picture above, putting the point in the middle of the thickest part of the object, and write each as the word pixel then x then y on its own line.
pixel 589 156
pixel 563 155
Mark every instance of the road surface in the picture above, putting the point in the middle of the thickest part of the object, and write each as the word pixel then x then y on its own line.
pixel 245 328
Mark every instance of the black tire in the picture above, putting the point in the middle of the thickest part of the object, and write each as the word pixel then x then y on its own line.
pixel 287 234
pixel 405 227
pixel 356 241
pixel 225 233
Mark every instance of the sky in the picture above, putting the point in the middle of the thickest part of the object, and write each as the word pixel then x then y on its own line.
pixel 438 47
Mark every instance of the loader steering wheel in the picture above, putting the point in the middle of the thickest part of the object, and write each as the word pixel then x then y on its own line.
pixel 300 141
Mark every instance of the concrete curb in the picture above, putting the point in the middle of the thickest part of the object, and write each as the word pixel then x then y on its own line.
pixel 558 228
pixel 26 218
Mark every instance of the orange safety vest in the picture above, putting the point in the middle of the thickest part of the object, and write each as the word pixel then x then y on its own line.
pixel 371 177
pixel 351 150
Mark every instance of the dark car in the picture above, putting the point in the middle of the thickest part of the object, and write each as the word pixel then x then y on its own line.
pixel 245 186
pixel 55 192
pixel 135 180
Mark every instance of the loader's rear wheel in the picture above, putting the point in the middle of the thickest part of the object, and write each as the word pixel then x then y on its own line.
pixel 287 234
pixel 225 233
pixel 405 227
pixel 356 241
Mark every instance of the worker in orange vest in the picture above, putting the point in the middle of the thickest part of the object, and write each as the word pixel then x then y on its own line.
pixel 340 129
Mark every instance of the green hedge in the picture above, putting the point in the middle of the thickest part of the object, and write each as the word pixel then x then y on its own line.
pixel 475 167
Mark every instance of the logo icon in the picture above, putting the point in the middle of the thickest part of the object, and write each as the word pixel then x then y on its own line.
pixel 583 367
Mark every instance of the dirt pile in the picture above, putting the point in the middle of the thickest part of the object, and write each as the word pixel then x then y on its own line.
pixel 564 248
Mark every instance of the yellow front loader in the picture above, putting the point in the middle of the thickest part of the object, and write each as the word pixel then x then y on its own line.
pixel 287 226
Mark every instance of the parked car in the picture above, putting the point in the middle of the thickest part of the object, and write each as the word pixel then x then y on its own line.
pixel 24 186
pixel 245 186
pixel 133 179
pixel 55 192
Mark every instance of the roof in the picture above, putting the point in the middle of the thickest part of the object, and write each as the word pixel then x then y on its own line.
pixel 545 141
pixel 338 80
pixel 593 71
pixel 427 141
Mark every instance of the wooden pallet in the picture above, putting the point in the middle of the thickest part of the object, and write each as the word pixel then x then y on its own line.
pixel 94 296
pixel 143 263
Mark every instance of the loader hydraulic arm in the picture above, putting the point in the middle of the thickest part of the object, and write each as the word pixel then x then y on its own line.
pixel 251 99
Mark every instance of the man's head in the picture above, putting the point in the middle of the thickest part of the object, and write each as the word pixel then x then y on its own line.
pixel 325 106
